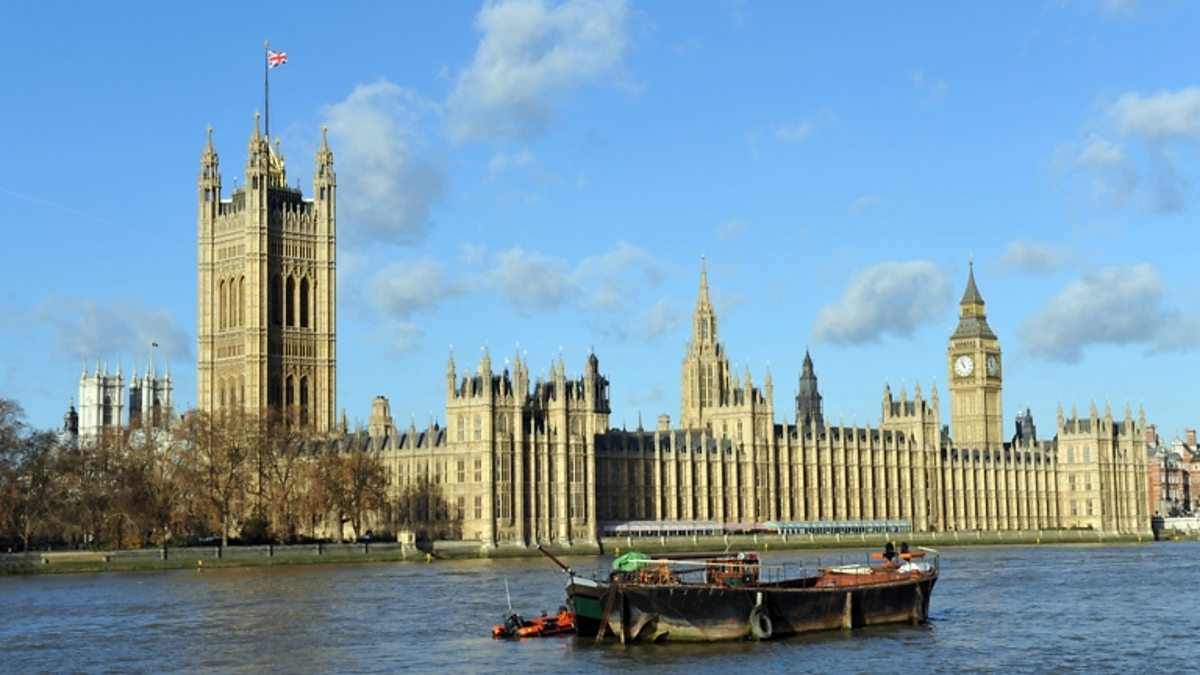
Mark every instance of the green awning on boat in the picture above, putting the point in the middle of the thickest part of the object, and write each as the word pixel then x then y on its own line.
pixel 629 562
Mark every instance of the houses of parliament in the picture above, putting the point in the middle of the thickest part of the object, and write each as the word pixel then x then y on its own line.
pixel 521 461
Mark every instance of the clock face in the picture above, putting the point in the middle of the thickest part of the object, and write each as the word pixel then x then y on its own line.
pixel 993 365
pixel 963 365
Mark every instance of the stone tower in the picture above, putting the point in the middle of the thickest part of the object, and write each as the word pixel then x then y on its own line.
pixel 267 288
pixel 150 399
pixel 714 398
pixel 810 416
pixel 101 404
pixel 974 365
pixel 706 369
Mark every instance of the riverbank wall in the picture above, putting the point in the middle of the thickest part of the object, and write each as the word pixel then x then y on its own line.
pixel 200 557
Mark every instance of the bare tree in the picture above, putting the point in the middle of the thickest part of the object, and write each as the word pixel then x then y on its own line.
pixel 356 484
pixel 26 476
pixel 218 452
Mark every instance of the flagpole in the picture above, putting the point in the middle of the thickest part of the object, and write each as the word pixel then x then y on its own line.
pixel 267 86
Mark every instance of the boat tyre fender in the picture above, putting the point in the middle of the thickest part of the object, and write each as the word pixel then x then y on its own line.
pixel 760 624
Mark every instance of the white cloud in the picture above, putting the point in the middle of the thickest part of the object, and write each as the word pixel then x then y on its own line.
pixel 660 319
pixel 732 229
pixel 1153 132
pixel 863 203
pixel 934 89
pixel 795 132
pixel 530 54
pixel 893 298
pixel 1117 306
pixel 1161 116
pixel 1028 256
pixel 402 337
pixel 387 189
pixel 608 288
pixel 405 288
pixel 503 161
pixel 614 277
pixel 532 281
pixel 800 131
pixel 86 329
pixel 1114 179
pixel 1120 7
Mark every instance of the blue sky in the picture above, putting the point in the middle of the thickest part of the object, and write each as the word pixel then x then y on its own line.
pixel 543 178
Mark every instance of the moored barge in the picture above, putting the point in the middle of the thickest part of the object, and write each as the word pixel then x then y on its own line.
pixel 710 597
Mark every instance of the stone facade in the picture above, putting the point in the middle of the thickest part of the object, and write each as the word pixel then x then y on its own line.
pixel 102 404
pixel 267 287
pixel 522 462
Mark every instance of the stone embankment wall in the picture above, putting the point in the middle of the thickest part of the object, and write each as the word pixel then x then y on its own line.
pixel 233 556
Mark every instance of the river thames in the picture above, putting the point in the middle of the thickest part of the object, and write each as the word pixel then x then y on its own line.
pixel 1018 609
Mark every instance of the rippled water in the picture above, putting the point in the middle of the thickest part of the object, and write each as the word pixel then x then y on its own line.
pixel 1013 609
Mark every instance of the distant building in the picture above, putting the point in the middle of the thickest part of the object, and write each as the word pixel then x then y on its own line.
pixel 1174 474
pixel 102 404
pixel 522 462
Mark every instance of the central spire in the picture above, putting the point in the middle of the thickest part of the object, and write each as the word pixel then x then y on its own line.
pixel 704 323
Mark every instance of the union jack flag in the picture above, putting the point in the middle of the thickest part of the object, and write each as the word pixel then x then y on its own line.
pixel 276 59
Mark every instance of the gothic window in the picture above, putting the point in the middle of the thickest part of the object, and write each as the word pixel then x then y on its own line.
pixel 222 301
pixel 502 424
pixel 478 428
pixel 241 301
pixel 313 316
pixel 304 400
pixel 273 302
pixel 290 310
pixel 462 428
pixel 304 302
pixel 290 391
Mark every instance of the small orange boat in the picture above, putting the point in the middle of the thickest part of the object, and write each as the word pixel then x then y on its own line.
pixel 515 626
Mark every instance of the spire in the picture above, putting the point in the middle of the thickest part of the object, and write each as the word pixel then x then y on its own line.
pixel 208 158
pixel 704 321
pixel 971 295
pixel 972 319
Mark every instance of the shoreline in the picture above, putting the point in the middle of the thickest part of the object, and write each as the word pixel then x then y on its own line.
pixel 202 557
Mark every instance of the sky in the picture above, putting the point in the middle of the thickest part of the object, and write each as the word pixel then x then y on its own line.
pixel 543 179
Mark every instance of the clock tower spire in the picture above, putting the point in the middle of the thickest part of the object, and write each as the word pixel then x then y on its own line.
pixel 973 360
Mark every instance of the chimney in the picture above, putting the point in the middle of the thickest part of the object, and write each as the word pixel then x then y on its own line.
pixel 1191 437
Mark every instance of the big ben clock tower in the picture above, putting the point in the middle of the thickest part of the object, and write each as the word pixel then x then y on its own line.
pixel 973 357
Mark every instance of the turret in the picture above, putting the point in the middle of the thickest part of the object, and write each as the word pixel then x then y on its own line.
pixel 209 184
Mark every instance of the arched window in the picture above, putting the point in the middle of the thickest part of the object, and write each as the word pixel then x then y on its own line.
pixel 304 302
pixel 478 428
pixel 275 391
pixel 290 391
pixel 290 311
pixel 273 302
pixel 241 301
pixel 221 303
pixel 304 400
